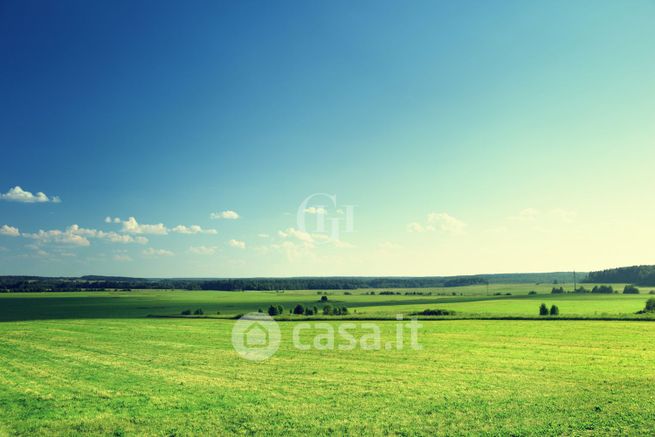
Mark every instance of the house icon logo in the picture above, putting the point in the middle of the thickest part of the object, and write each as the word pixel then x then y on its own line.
pixel 256 336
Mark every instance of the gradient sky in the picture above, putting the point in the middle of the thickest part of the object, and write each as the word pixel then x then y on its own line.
pixel 471 137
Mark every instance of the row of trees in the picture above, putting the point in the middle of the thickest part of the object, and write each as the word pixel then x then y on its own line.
pixel 598 289
pixel 98 283
pixel 300 310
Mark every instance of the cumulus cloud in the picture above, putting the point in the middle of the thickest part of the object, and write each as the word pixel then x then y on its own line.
pixel 131 226
pixel 78 236
pixel 9 231
pixel 112 237
pixel 311 240
pixel 415 227
pixel 193 229
pixel 297 234
pixel 17 194
pixel 157 252
pixel 237 244
pixel 439 221
pixel 228 215
pixel 446 223
pixel 122 257
pixel 202 250
pixel 263 235
pixel 67 237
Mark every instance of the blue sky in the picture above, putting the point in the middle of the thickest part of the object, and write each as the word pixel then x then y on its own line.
pixel 470 136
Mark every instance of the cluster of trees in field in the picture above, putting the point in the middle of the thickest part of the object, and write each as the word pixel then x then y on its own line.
pixel 102 283
pixel 301 310
pixel 544 311
pixel 434 312
pixel 639 275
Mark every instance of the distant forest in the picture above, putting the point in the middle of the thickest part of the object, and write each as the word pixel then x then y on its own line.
pixel 638 275
pixel 98 283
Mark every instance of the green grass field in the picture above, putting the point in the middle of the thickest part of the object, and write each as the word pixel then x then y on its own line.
pixel 473 301
pixel 92 363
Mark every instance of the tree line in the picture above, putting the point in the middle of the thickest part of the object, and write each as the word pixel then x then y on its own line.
pixel 639 275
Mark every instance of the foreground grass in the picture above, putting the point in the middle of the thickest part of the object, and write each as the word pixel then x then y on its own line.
pixel 170 376
pixel 137 304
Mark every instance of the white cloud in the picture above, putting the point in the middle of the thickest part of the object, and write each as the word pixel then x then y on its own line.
pixel 17 194
pixel 202 250
pixel 131 226
pixel 316 210
pixel 78 236
pixel 157 252
pixel 228 215
pixel 112 237
pixel 298 235
pixel 415 227
pixel 237 244
pixel 439 221
pixel 122 257
pixel 193 229
pixel 56 236
pixel 263 235
pixel 311 240
pixel 446 223
pixel 526 215
pixel 9 231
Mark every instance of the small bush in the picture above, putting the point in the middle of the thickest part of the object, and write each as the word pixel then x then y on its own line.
pixel 186 313
pixel 630 289
pixel 650 305
pixel 652 292
pixel 324 298
pixel 557 290
pixel 309 312
pixel 543 310
pixel 327 310
pixel 347 293
pixel 554 310
pixel 532 292
pixel 198 312
pixel 299 309
pixel 273 311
